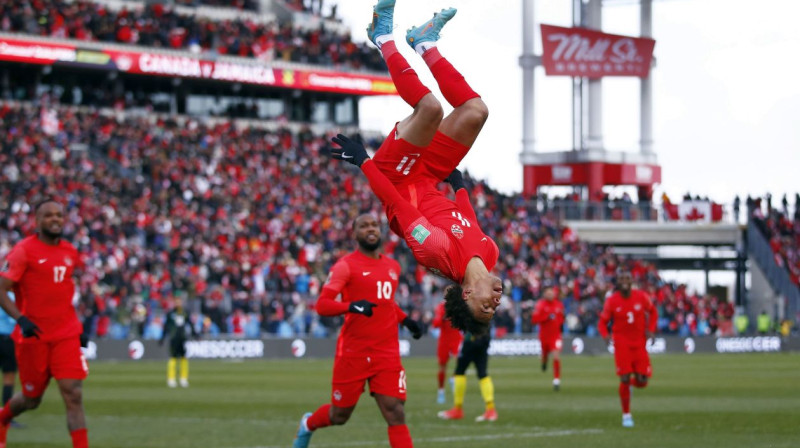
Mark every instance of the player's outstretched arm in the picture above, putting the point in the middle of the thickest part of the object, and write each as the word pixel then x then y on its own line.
pixel 349 150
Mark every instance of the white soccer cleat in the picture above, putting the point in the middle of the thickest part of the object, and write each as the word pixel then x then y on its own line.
pixel 627 421
pixel 556 384
pixel 172 384
pixel 184 382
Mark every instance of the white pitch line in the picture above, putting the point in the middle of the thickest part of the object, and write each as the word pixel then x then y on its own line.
pixel 530 435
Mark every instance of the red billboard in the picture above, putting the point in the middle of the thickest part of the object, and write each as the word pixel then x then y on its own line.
pixel 594 54
pixel 136 61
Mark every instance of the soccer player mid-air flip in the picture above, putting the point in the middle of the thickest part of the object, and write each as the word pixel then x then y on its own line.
pixel 422 150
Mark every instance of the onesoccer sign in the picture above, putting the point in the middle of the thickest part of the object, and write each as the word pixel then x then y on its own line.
pixel 593 54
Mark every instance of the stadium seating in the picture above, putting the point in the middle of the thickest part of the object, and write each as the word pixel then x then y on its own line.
pixel 157 25
pixel 248 221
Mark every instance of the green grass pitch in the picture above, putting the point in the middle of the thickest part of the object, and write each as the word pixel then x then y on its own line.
pixel 692 401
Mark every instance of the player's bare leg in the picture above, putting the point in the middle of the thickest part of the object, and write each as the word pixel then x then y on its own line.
pixel 72 393
pixel 419 127
pixel 393 410
pixel 16 405
pixel 466 120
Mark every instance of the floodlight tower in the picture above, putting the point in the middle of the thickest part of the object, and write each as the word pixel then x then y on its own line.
pixel 587 54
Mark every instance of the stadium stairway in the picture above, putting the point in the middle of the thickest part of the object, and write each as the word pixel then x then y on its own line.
pixel 770 283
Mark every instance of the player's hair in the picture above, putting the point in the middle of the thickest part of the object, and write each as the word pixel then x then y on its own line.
pixel 459 314
pixel 45 200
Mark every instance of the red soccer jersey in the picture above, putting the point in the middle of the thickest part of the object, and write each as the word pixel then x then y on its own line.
pixel 549 327
pixel 43 286
pixel 448 333
pixel 443 235
pixel 358 277
pixel 631 316
pixel 465 239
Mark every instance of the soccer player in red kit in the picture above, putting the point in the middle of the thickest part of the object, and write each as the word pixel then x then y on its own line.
pixel 447 347
pixel 48 334
pixel 634 322
pixel 422 150
pixel 549 314
pixel 368 347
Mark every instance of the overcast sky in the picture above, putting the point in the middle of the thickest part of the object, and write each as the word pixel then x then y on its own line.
pixel 726 95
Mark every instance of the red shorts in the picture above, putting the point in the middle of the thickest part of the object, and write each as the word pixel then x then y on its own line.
pixel 632 359
pixel 446 348
pixel 551 345
pixel 40 361
pixel 403 163
pixel 386 376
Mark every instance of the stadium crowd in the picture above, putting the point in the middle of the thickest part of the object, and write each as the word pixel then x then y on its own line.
pixel 244 223
pixel 782 230
pixel 157 25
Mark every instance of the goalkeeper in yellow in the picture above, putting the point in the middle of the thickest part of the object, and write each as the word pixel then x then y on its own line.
pixel 178 327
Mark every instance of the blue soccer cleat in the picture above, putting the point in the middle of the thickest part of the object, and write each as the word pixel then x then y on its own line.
pixel 303 434
pixel 627 421
pixel 429 31
pixel 382 20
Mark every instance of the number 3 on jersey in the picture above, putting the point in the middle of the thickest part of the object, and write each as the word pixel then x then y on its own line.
pixel 630 317
pixel 384 290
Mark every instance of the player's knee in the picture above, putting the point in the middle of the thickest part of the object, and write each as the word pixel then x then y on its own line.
pixel 430 109
pixel 31 403
pixel 477 112
pixel 340 416
pixel 625 379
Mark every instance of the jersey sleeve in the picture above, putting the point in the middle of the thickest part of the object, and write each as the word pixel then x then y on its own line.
pixel 438 316
pixel 401 315
pixel 652 316
pixel 462 200
pixel 337 279
pixel 605 317
pixel 15 265
pixel 538 316
pixel 562 315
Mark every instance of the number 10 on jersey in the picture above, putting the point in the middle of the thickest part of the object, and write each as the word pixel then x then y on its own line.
pixel 384 290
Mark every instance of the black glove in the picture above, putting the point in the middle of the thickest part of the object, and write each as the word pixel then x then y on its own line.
pixel 413 327
pixel 84 340
pixel 362 307
pixel 29 329
pixel 455 180
pixel 350 151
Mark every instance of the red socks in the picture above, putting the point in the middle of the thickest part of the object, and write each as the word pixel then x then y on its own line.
pixel 320 418
pixel 556 368
pixel 441 380
pixel 80 438
pixel 625 397
pixel 452 83
pixel 6 415
pixel 399 437
pixel 404 77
